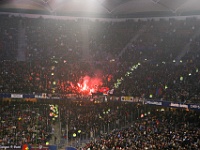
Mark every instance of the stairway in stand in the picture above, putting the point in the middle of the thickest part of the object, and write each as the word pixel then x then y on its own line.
pixel 56 135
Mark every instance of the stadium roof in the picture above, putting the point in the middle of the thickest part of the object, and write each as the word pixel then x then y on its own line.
pixel 104 8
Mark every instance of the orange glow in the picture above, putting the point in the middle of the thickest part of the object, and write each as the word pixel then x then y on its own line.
pixel 88 85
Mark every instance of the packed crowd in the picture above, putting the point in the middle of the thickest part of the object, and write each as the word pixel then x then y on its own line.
pixel 54 63
pixel 107 125
pixel 94 119
pixel 54 57
pixel 164 130
pixel 24 123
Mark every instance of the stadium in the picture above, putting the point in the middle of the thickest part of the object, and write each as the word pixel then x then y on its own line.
pixel 99 74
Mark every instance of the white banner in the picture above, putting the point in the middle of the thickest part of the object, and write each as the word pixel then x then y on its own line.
pixel 16 96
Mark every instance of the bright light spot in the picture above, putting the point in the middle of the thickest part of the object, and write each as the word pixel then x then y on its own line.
pixel 88 85
pixel 181 78
pixel 76 1
pixel 112 60
pixel 74 134
pixel 50 114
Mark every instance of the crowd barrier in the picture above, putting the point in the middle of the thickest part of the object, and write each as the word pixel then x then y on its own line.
pixel 121 98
